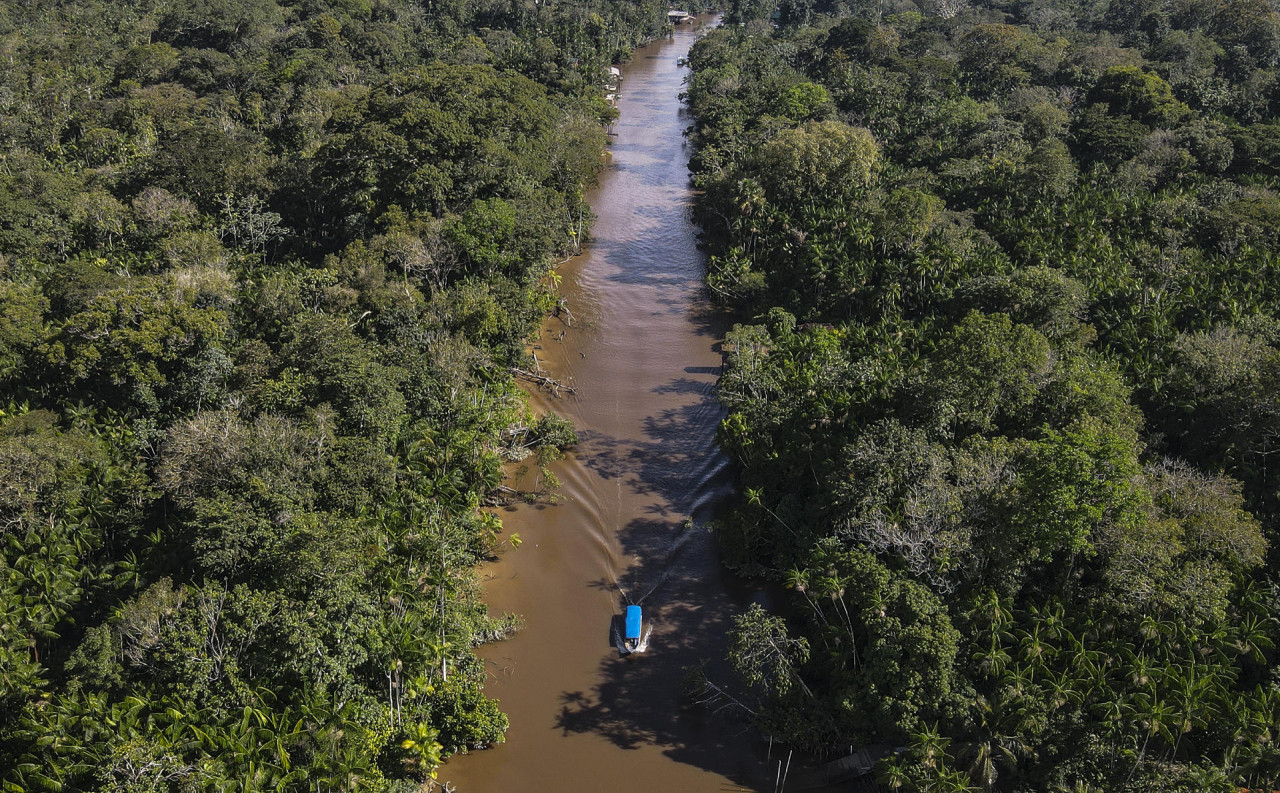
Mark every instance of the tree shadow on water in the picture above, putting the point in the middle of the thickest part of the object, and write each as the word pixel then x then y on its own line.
pixel 642 700
pixel 677 462
pixel 675 575
pixel 689 385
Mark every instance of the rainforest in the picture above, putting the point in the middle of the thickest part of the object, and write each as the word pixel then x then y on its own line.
pixel 1003 395
pixel 266 271
pixel 1000 387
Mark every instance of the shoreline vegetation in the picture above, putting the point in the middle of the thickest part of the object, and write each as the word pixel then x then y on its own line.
pixel 1006 406
pixel 266 270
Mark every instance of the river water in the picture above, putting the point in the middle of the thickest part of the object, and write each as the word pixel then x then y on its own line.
pixel 642 348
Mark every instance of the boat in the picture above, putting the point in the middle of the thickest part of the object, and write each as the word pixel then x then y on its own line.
pixel 634 639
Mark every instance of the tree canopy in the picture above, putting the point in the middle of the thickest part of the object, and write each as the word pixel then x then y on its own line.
pixel 1001 395
pixel 265 269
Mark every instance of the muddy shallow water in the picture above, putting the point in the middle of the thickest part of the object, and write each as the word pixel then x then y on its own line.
pixel 643 351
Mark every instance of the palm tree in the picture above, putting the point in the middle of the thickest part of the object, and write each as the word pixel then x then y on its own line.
pixel 1253 754
pixel 1034 648
pixel 894 774
pixel 998 740
pixel 1251 637
pixel 1052 616
pixel 993 660
pixel 832 586
pixel 930 746
pixel 1153 716
pixel 1141 672
pixel 1192 706
pixel 992 610
pixel 797 579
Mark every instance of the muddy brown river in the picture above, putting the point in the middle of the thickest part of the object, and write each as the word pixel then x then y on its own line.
pixel 643 352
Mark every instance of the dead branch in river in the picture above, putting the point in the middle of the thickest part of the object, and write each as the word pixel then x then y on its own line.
pixel 549 383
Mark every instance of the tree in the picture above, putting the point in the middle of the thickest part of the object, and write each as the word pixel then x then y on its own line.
pixel 987 367
pixel 134 345
pixel 764 654
pixel 1001 57
pixel 827 156
pixel 1101 136
pixel 744 11
pixel 1076 487
pixel 1041 297
pixel 432 139
pixel 1140 95
pixel 22 325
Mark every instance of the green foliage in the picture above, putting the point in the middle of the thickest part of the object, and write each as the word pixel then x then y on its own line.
pixel 907 671
pixel 821 155
pixel 22 329
pixel 1004 406
pixel 1142 96
pixel 1077 486
pixel 263 270
pixel 985 367
pixel 1001 57
pixel 763 654
pixel 131 346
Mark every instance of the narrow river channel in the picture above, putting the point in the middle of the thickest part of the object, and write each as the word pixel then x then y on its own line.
pixel 642 350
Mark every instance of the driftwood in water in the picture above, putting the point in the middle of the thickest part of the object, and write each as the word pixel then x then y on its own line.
pixel 562 310
pixel 549 383
pixel 501 496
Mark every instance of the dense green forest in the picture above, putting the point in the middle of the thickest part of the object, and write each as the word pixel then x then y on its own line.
pixel 1007 409
pixel 265 269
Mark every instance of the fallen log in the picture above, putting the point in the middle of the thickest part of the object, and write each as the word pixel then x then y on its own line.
pixel 549 383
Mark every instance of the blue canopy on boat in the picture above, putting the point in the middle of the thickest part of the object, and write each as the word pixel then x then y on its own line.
pixel 633 622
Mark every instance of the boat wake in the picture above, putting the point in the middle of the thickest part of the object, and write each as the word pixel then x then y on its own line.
pixel 621 644
pixel 673 552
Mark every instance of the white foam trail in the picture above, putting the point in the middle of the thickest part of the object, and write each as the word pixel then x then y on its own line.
pixel 672 552
pixel 621 644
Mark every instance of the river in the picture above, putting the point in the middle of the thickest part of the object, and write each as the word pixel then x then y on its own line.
pixel 643 351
